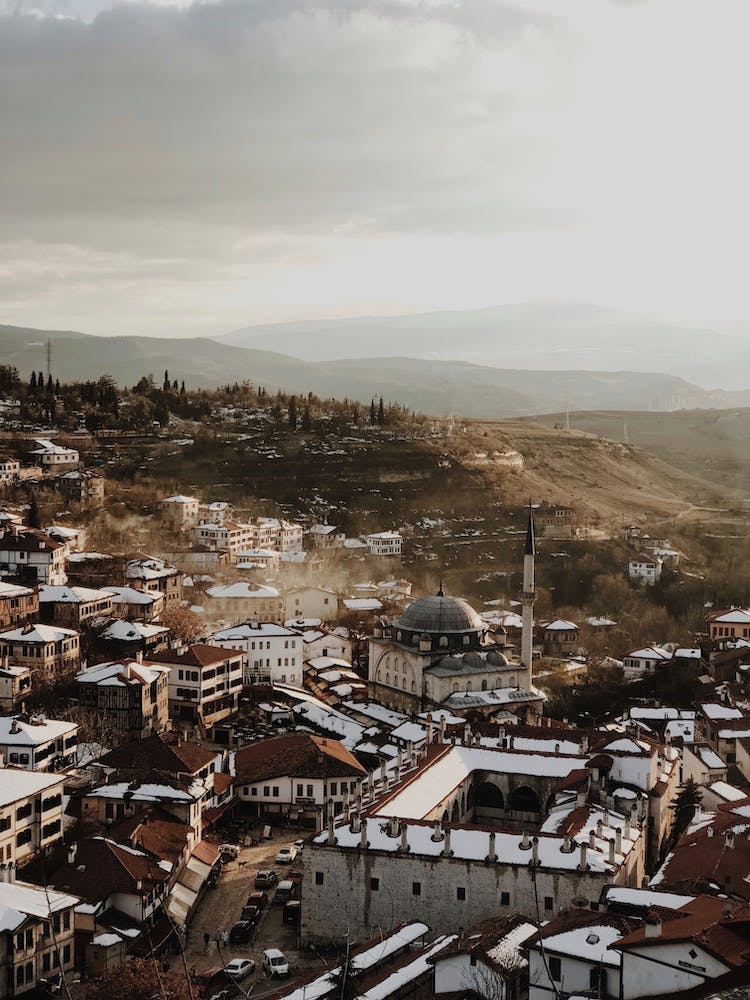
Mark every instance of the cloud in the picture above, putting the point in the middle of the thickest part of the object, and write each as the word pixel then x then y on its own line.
pixel 192 151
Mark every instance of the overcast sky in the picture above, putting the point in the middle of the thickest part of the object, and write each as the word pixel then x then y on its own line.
pixel 172 169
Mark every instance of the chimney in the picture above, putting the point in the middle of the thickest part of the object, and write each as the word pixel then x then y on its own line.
pixel 442 728
pixel 430 729
pixel 331 838
pixel 592 838
pixel 447 852
pixel 404 838
pixel 525 844
pixel 393 825
pixel 627 827
pixel 11 872
pixel 355 822
pixel 72 851
pixel 729 839
pixel 582 864
pixel 599 827
pixel 557 748
pixel 618 840
pixel 611 858
pixel 363 843
pixel 492 853
pixel 580 797
pixel 437 832
pixel 568 844
pixel 535 851
pixel 653 926
pixel 584 744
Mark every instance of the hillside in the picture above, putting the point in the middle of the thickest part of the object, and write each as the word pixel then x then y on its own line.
pixel 542 336
pixel 429 386
pixel 711 444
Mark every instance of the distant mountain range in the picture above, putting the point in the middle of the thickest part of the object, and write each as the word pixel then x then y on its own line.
pixel 539 336
pixel 429 385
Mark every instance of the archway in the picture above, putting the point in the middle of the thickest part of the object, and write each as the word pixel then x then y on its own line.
pixel 455 813
pixel 445 818
pixel 524 799
pixel 488 795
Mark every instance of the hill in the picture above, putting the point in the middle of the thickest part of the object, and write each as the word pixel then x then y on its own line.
pixel 541 336
pixel 429 386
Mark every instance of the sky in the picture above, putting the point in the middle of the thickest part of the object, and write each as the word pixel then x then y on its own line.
pixel 180 169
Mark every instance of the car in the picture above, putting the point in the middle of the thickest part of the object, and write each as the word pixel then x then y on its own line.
pixel 238 968
pixel 229 851
pixel 274 962
pixel 251 914
pixel 259 899
pixel 295 875
pixel 300 845
pixel 209 981
pixel 266 878
pixel 286 855
pixel 284 892
pixel 241 932
pixel 292 912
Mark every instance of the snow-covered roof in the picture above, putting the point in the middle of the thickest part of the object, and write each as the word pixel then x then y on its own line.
pixel 180 499
pixel 328 662
pixel 26 899
pixel 148 792
pixel 121 673
pixel 726 791
pixel 713 710
pixel 13 590
pixel 122 631
pixel 410 732
pixel 591 943
pixel 363 604
pixel 252 630
pixel 628 745
pixel 649 653
pixel 15 732
pixel 464 700
pixel 148 569
pixel 661 712
pixel 242 590
pixel 47 447
pixel 710 757
pixel 379 713
pixel 37 633
pixel 560 625
pixel 597 622
pixel 385 535
pixel 15 785
pixel 645 898
pixel 737 616
pixel 70 595
pixel 129 595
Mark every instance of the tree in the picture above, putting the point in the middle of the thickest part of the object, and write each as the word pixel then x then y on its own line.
pixel 140 979
pixel 32 518
pixel 373 416
pixel 292 413
pixel 182 388
pixel 306 420
pixel 9 380
pixel 32 384
pixel 183 623
pixel 166 381
pixel 688 797
pixel 381 412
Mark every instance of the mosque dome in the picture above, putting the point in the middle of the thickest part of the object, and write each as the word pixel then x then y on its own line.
pixel 440 615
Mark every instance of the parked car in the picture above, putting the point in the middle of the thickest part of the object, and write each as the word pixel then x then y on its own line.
pixel 292 912
pixel 238 968
pixel 266 878
pixel 259 899
pixel 300 845
pixel 228 851
pixel 274 962
pixel 251 914
pixel 284 892
pixel 294 875
pixel 209 981
pixel 241 932
pixel 286 855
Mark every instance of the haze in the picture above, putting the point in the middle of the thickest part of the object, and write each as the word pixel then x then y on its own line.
pixel 184 170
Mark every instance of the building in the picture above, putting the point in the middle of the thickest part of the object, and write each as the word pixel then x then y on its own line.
pixel 10 469
pixel 31 813
pixel 312 602
pixel 553 521
pixel 319 641
pixel 702 764
pixel 52 653
pixel 637 663
pixel 727 625
pixel 204 683
pixel 137 605
pixel 229 537
pixel 214 511
pixel 38 943
pixel 31 556
pixel 72 607
pixel 38 744
pixel 266 559
pixel 300 775
pixel 452 841
pixel 180 511
pixel 154 576
pixel 271 653
pixel 385 543
pixel 485 960
pixel 238 602
pixel 645 570
pixel 128 698
pixel 559 637
pixel 18 605
pixel 15 684
pixel 326 536
pixel 82 487
pixel 120 639
pixel 54 457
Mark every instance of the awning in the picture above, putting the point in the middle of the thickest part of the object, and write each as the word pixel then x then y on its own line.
pixel 180 903
pixel 210 816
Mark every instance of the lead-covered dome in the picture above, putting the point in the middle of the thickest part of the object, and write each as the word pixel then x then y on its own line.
pixel 440 616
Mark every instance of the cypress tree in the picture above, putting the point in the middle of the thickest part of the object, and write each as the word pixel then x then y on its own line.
pixel 381 412
pixel 372 413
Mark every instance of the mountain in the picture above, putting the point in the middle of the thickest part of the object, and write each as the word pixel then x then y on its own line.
pixel 540 336
pixel 430 386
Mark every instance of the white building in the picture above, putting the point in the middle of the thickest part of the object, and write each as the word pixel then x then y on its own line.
pixel 271 653
pixel 265 559
pixel 229 537
pixel 243 601
pixel 385 543
pixel 32 555
pixel 140 605
pixel 645 570
pixel 181 511
pixel 53 457
pixel 312 602
pixel 9 470
pixel 38 744
pixel 638 663
pixel 31 813
pixel 214 512
pixel 204 682
pixel 38 926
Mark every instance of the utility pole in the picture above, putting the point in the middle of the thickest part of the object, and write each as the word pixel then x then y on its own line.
pixel 49 357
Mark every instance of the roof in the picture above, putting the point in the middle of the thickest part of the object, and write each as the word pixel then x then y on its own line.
pixel 585 935
pixel 70 595
pixel 296 755
pixel 735 616
pixel 28 540
pixel 26 899
pixel 32 733
pixel 102 868
pixel 37 633
pixel 560 625
pixel 129 595
pixel 154 831
pixel 242 591
pixel 714 711
pixel 649 653
pixel 149 569
pixel 252 630
pixel 198 654
pixel 440 615
pixel 120 672
pixel 160 752
pixel 363 604
pixel 496 941
pixel 15 785
pixel 179 499
pixel 123 631
pixel 703 858
pixel 8 590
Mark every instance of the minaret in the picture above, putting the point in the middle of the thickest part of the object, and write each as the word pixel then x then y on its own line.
pixel 528 596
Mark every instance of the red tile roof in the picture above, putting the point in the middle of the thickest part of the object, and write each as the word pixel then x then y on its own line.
pixel 298 755
pixel 161 752
pixel 198 655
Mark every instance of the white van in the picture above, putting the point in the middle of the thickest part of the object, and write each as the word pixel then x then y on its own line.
pixel 275 963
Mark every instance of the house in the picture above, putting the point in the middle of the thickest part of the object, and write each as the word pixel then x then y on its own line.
pixel 180 511
pixel 312 602
pixel 553 521
pixel 727 625
pixel 666 723
pixel 72 607
pixel 559 637
pixel 236 602
pixel 10 469
pixel 154 576
pixel 485 960
pixel 31 556
pixel 82 487
pixel 69 537
pixel 271 653
pixel 198 559
pixel 320 641
pixel 229 536
pixel 204 683
pixel 37 943
pixel 325 536
pixel 119 639
pixel 638 663
pixel 722 726
pixel 701 764
pixel 300 775
pixel 645 570
pixel 54 457
pixel 182 797
pixel 279 534
pixel 266 559
pixel 128 698
pixel 214 511
pixel 137 605
pixel 52 653
pixel 576 954
pixel 15 684
pixel 18 605
pixel 38 744
pixel 94 569
pixel 385 543
pixel 31 813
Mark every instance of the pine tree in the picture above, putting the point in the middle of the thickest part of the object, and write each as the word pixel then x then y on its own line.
pixel 57 386
pixel 40 382
pixel 688 797
pixel 182 388
pixel 306 420
pixel 32 518
pixel 50 386
pixel 32 384
pixel 381 412
pixel 372 413
pixel 166 381
pixel 293 413
pixel 174 386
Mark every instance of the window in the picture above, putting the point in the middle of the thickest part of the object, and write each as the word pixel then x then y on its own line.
pixel 310 792
pixel 23 811
pixel 29 938
pixel 416 888
pixel 505 899
pixel 23 838
pixel 266 790
pixel 555 969
pixel 66 954
pixel 66 920
pixel 45 962
pixel 300 790
pixel 598 980
pixel 548 903
pixel 460 892
pixel 19 941
pixel 334 787
pixel 319 878
pixel 276 791
pixel 374 884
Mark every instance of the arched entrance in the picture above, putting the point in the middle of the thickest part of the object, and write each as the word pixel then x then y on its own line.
pixel 524 800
